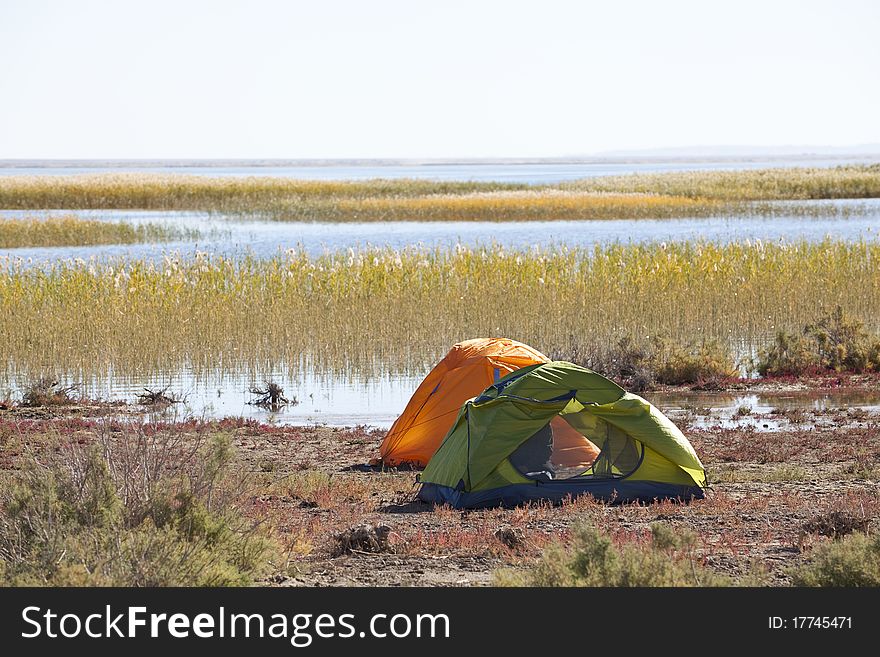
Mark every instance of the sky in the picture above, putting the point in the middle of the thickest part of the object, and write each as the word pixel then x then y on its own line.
pixel 444 79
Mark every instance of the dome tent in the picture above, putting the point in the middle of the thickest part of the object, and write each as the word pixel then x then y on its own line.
pixel 503 448
pixel 464 372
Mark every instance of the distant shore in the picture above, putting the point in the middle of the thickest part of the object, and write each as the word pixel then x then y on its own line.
pixel 806 157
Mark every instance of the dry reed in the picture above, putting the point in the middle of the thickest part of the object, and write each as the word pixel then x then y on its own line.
pixel 70 230
pixel 694 194
pixel 385 310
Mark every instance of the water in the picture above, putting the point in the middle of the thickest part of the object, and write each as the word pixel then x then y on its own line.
pixel 720 409
pixel 765 402
pixel 377 401
pixel 529 173
pixel 855 220
pixel 332 401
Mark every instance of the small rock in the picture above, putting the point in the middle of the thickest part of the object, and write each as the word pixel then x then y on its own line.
pixel 362 538
pixel 835 523
pixel 511 537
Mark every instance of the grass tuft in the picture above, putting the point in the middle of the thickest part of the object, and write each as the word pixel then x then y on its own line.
pixel 592 559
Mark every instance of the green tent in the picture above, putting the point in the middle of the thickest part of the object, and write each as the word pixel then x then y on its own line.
pixel 557 430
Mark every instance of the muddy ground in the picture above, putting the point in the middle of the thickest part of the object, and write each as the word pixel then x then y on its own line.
pixel 768 487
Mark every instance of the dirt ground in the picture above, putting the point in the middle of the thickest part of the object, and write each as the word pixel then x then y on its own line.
pixel 765 490
pixel 769 493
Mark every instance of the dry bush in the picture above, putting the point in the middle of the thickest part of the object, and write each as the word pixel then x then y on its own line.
pixel 593 559
pixel 511 537
pixel 851 561
pixel 362 538
pixel 46 391
pixel 836 342
pixel 836 523
pixel 640 366
pixel 139 506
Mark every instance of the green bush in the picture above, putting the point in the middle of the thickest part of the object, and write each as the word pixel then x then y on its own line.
pixel 593 560
pixel 86 521
pixel 851 561
pixel 834 343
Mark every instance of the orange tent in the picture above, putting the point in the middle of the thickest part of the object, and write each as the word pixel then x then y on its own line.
pixel 469 368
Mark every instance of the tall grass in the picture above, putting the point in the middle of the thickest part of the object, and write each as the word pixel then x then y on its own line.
pixel 545 204
pixel 183 192
pixel 76 231
pixel 399 310
pixel 855 181
pixel 637 196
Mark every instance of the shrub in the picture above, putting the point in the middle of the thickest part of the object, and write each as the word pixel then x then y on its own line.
pixel 625 362
pixel 592 559
pixel 46 391
pixel 836 523
pixel 833 343
pixel 702 362
pixel 139 509
pixel 639 367
pixel 851 561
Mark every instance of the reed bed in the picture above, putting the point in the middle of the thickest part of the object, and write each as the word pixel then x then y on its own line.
pixel 624 197
pixel 385 311
pixel 71 230
pixel 186 192
pixel 531 205
pixel 858 181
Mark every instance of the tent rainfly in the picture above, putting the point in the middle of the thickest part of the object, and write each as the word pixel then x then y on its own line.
pixel 555 430
pixel 465 372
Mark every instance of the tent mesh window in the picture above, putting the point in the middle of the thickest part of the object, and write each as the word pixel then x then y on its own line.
pixel 576 445
pixel 620 454
pixel 532 458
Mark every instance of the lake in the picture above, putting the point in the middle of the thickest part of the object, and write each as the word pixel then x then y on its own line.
pixel 378 400
pixel 529 173
pixel 230 236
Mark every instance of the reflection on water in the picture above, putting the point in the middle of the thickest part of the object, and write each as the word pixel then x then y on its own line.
pixel 809 400
pixel 232 237
pixel 709 410
pixel 320 399
pixel 378 400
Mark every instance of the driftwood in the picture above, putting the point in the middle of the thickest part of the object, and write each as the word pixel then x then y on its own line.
pixel 158 397
pixel 272 396
pixel 48 392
